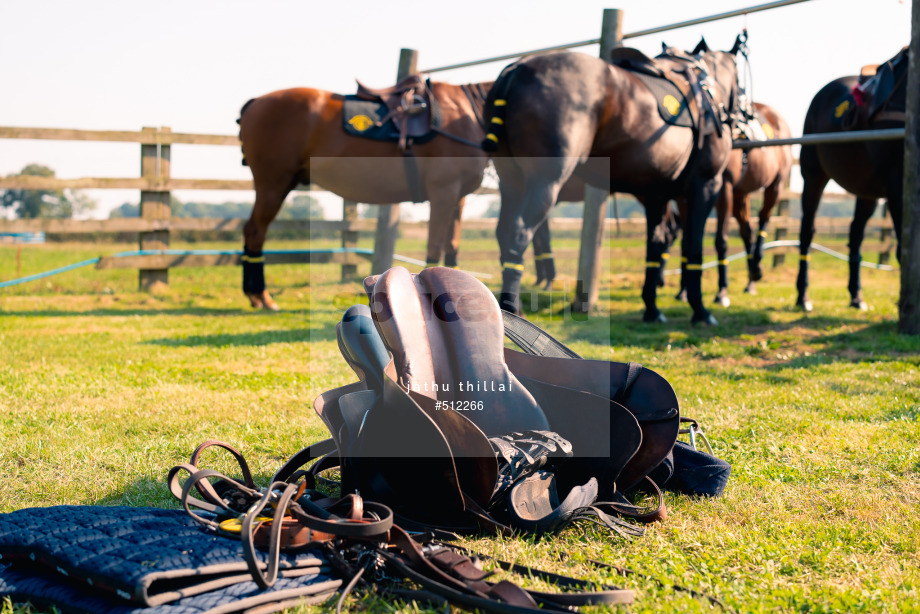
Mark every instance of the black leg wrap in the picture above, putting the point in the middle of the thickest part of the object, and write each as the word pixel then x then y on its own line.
pixel 511 290
pixel 549 272
pixel 723 276
pixel 450 260
pixel 430 262
pixel 253 272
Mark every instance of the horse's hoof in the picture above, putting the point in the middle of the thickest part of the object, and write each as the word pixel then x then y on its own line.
pixel 751 289
pixel 681 296
pixel 707 319
pixel 805 305
pixel 548 285
pixel 858 303
pixel 255 301
pixel 722 299
pixel 268 304
pixel 756 273
pixel 539 281
pixel 655 316
pixel 263 301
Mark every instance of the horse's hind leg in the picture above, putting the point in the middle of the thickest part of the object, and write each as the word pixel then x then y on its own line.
pixel 865 207
pixel 524 207
pixel 269 198
pixel 444 228
pixel 755 253
pixel 543 255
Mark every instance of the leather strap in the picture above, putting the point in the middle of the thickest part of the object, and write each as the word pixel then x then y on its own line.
pixel 532 339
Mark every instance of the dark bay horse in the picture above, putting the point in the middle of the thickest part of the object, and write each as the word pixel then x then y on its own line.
pixel 868 170
pixel 570 113
pixel 748 171
pixel 296 136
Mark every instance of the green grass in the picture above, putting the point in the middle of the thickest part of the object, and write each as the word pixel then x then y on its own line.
pixel 104 388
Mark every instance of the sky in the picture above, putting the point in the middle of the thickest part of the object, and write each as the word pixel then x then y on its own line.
pixel 191 64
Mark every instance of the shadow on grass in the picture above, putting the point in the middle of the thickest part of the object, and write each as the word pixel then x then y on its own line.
pixel 861 341
pixel 241 339
pixel 177 311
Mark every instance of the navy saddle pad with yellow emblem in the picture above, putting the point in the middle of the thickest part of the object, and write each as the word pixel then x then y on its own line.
pixel 672 105
pixel 362 118
pixel 126 559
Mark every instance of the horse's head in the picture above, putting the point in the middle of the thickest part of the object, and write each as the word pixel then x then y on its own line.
pixel 723 69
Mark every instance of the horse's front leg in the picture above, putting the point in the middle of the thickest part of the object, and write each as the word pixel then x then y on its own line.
pixel 657 241
pixel 812 188
pixel 703 197
pixel 865 207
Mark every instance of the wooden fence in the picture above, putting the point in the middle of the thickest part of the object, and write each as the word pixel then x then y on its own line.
pixel 156 223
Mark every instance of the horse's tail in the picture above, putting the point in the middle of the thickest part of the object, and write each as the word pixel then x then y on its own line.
pixel 496 106
pixel 239 119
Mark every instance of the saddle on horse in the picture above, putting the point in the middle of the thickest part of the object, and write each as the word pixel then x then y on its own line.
pixel 681 85
pixel 406 112
pixel 879 95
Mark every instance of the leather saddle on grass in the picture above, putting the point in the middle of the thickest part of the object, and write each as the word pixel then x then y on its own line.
pixel 445 418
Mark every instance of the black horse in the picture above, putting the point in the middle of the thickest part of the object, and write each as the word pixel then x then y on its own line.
pixel 568 113
pixel 868 170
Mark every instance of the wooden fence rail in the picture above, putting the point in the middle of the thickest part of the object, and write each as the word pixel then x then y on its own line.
pixel 155 224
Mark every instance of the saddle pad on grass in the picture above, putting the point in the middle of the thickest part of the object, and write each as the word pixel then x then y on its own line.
pixel 44 590
pixel 360 118
pixel 138 556
pixel 672 106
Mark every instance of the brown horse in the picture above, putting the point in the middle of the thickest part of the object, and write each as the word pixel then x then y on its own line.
pixel 749 171
pixel 869 170
pixel 296 136
pixel 570 113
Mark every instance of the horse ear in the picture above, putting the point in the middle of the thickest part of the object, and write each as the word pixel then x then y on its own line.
pixel 701 47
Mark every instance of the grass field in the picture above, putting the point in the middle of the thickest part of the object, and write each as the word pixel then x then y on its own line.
pixel 103 389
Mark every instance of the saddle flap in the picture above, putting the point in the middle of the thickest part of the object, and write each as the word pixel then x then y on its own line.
pixel 647 396
pixel 633 59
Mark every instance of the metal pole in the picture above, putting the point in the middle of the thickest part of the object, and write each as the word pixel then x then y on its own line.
pixel 388 215
pixel 909 304
pixel 595 41
pixel 857 136
pixel 592 227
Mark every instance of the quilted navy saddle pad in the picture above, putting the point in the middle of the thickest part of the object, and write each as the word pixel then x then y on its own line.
pixel 135 558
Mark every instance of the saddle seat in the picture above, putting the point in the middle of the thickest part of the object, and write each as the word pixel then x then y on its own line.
pixel 437 384
pixel 410 105
pixel 875 91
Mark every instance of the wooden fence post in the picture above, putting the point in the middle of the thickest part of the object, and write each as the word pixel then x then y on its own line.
pixel 349 240
pixel 154 206
pixel 782 231
pixel 388 215
pixel 595 212
pixel 909 303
